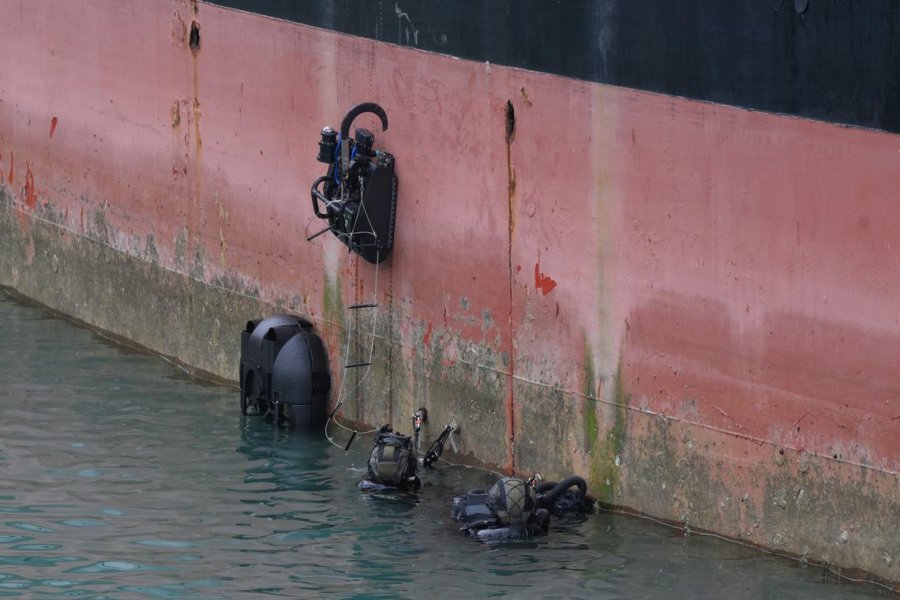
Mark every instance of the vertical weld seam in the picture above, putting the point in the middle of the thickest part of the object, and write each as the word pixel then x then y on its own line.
pixel 510 394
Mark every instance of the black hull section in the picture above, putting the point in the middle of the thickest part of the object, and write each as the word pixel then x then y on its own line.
pixel 830 60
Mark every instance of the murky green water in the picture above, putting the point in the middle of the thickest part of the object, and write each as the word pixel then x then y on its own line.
pixel 122 478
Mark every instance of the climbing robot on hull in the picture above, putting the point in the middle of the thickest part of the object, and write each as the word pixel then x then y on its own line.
pixel 357 196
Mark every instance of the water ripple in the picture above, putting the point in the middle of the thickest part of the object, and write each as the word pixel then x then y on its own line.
pixel 24 526
pixel 113 566
pixel 132 480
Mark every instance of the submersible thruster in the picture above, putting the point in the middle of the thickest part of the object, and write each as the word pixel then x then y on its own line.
pixel 284 371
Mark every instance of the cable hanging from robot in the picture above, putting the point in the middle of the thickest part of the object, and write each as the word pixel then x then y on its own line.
pixel 357 196
pixel 394 460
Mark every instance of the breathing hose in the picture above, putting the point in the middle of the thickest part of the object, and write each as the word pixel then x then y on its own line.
pixel 549 491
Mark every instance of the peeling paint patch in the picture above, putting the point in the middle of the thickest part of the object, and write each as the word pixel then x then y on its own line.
pixel 99 228
pixel 487 321
pixel 181 247
pixel 198 268
pixel 30 196
pixel 151 252
pixel 543 282
pixel 194 40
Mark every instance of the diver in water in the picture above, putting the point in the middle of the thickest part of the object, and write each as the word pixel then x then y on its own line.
pixel 512 509
pixel 516 509
pixel 393 462
pixel 508 511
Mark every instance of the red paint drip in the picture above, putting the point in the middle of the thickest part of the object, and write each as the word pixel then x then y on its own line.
pixel 12 165
pixel 541 281
pixel 426 339
pixel 53 123
pixel 30 196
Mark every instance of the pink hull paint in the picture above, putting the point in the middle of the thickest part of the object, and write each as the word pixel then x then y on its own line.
pixel 761 289
pixel 728 271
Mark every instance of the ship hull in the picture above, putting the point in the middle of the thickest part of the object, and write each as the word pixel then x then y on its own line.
pixel 692 304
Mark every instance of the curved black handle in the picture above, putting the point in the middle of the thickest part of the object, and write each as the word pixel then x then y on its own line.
pixel 365 107
pixel 319 196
